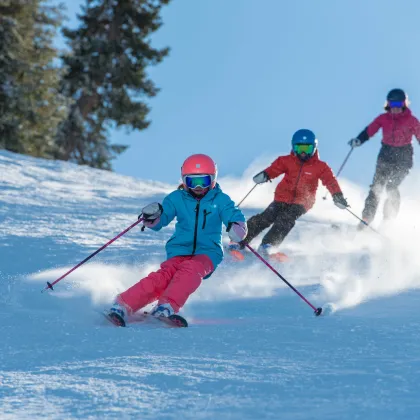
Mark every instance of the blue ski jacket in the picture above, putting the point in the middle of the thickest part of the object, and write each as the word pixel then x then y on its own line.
pixel 198 229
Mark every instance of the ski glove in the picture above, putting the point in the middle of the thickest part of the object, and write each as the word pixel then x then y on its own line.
pixel 340 201
pixel 151 214
pixel 261 178
pixel 237 231
pixel 355 142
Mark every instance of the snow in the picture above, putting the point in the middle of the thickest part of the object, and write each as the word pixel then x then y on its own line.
pixel 254 350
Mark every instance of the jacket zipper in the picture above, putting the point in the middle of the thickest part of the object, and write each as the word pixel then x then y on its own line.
pixel 206 213
pixel 297 181
pixel 393 129
pixel 197 213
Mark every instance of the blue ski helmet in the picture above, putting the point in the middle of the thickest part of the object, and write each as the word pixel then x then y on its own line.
pixel 396 98
pixel 304 141
pixel 396 95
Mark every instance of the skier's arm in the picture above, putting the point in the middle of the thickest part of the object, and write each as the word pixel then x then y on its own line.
pixel 416 128
pixel 229 213
pixel 330 181
pixel 168 214
pixel 233 219
pixel 278 167
pixel 370 130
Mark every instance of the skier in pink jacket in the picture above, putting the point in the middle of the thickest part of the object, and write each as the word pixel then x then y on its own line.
pixel 395 158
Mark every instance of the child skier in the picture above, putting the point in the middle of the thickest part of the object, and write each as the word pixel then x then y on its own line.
pixel 395 157
pixel 195 248
pixel 294 195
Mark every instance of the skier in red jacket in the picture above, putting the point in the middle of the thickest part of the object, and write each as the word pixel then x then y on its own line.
pixel 395 158
pixel 295 194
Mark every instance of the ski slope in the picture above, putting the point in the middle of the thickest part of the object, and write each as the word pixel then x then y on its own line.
pixel 254 350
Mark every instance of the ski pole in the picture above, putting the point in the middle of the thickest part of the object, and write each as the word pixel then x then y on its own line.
pixel 341 168
pixel 250 191
pixel 362 221
pixel 50 285
pixel 317 311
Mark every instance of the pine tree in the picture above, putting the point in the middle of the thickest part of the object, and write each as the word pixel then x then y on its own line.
pixel 42 83
pixel 106 77
pixel 11 69
pixel 30 105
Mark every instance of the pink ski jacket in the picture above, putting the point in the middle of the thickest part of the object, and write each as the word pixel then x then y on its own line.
pixel 397 129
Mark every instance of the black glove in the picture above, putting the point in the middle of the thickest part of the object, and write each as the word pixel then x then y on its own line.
pixel 355 143
pixel 340 201
pixel 151 212
pixel 261 177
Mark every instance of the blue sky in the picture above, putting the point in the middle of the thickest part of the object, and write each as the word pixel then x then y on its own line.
pixel 243 75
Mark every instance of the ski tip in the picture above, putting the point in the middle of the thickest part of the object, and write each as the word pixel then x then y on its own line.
pixel 237 255
pixel 280 257
pixel 114 319
pixel 318 312
pixel 178 321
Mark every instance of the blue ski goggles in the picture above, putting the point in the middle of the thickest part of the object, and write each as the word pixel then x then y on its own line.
pixel 194 181
pixel 304 148
pixel 396 104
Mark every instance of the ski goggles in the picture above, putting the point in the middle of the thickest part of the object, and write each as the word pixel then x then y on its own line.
pixel 304 148
pixel 194 181
pixel 396 104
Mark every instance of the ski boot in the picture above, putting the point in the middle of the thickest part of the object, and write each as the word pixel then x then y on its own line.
pixel 235 249
pixel 363 224
pixel 165 313
pixel 264 251
pixel 164 309
pixel 117 314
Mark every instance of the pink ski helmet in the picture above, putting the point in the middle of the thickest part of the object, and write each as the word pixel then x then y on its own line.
pixel 199 171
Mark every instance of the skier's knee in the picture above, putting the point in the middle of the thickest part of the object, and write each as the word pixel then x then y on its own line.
pixel 376 189
pixel 392 189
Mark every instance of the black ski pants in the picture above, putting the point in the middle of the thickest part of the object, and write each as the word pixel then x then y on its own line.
pixel 393 165
pixel 282 217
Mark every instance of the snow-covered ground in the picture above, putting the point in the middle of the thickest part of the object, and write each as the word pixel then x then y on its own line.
pixel 254 350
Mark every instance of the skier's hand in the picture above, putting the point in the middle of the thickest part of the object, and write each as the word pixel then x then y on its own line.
pixel 151 214
pixel 237 231
pixel 261 177
pixel 340 201
pixel 355 143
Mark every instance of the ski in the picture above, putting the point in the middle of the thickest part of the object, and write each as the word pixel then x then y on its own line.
pixel 239 255
pixel 174 321
pixel 114 319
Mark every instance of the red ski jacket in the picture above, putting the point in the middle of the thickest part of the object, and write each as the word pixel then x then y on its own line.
pixel 397 129
pixel 300 181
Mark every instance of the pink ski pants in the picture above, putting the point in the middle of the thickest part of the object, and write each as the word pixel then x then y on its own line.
pixel 173 283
